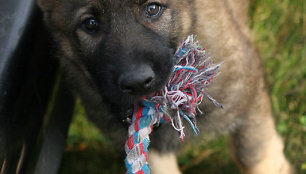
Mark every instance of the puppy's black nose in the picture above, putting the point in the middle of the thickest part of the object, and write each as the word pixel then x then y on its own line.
pixel 138 81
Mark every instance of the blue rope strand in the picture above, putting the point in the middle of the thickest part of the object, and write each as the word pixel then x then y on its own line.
pixel 186 68
pixel 190 122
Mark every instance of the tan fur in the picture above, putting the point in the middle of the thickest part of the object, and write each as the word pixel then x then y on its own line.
pixel 163 163
pixel 273 162
pixel 228 37
pixel 263 152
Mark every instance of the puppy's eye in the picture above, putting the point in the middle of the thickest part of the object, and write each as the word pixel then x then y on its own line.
pixel 90 25
pixel 153 10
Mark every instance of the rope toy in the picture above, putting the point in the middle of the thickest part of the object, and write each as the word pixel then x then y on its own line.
pixel 178 100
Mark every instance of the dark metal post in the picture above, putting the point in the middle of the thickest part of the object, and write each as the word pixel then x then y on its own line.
pixel 27 79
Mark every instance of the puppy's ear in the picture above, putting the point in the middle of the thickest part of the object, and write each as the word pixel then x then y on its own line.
pixel 46 5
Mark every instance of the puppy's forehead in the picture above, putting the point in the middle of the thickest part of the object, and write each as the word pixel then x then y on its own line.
pixel 111 3
pixel 84 2
pixel 73 8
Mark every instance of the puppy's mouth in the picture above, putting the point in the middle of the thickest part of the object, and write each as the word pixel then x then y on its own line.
pixel 127 110
pixel 125 88
pixel 127 114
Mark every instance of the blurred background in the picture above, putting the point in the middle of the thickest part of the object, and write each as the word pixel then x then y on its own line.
pixel 279 31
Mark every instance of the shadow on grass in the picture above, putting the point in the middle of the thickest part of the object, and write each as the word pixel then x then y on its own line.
pixel 92 161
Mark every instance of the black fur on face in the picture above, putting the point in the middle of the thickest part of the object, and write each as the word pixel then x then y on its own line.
pixel 125 46
pixel 119 55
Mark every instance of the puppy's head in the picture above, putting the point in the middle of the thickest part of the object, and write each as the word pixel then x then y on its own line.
pixel 125 46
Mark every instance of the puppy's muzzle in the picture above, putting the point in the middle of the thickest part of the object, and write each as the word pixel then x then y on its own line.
pixel 138 81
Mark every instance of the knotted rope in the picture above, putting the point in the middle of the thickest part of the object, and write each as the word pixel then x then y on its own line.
pixel 178 100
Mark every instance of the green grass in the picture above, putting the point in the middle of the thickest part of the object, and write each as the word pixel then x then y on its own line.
pixel 279 32
pixel 279 27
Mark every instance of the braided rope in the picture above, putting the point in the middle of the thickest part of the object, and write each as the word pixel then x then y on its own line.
pixel 138 142
pixel 179 100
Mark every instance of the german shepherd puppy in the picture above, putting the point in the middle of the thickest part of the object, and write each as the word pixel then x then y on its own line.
pixel 116 51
